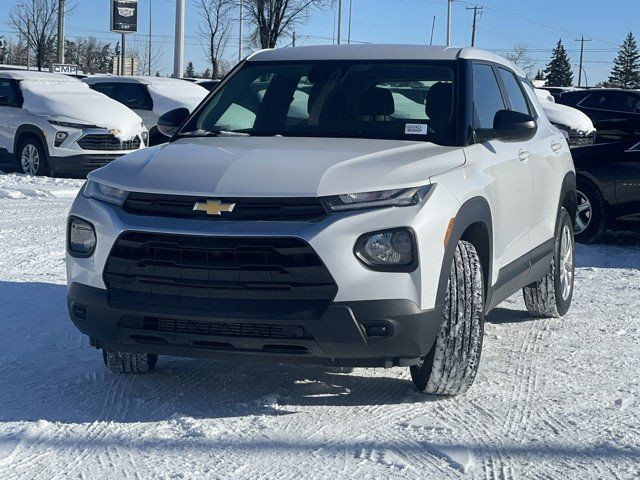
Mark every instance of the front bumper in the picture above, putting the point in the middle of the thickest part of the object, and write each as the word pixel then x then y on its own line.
pixel 375 333
pixel 81 164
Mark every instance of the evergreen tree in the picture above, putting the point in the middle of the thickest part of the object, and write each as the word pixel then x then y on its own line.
pixel 539 75
pixel 558 72
pixel 190 71
pixel 206 73
pixel 626 67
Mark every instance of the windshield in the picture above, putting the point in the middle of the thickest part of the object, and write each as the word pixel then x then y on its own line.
pixel 387 100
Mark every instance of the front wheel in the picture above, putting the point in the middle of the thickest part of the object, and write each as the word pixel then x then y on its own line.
pixel 590 216
pixel 551 295
pixel 31 157
pixel 124 362
pixel 451 366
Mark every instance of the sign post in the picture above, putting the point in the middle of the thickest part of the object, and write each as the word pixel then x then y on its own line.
pixel 124 19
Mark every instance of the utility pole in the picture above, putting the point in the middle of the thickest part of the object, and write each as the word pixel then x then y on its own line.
pixel 293 42
pixel 240 20
pixel 433 27
pixel 349 31
pixel 178 49
pixel 60 31
pixel 339 19
pixel 449 22
pixel 122 55
pixel 581 40
pixel 149 46
pixel 473 30
pixel 28 44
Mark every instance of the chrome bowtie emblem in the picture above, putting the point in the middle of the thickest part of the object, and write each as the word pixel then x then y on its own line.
pixel 214 207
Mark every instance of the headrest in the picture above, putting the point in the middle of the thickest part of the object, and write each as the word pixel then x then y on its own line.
pixel 376 102
pixel 439 106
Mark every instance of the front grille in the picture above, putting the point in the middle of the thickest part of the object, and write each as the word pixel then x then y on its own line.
pixel 248 209
pixel 104 141
pixel 224 329
pixel 264 277
pixel 580 139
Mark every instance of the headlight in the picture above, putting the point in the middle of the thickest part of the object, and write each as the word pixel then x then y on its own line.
pixel 60 137
pixel 401 197
pixel 104 193
pixel 388 250
pixel 81 237
pixel 79 126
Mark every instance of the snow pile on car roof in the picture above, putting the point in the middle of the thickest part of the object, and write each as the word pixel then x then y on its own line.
pixel 564 115
pixel 169 93
pixel 69 100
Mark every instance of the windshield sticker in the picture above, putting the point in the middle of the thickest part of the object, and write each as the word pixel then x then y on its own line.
pixel 415 129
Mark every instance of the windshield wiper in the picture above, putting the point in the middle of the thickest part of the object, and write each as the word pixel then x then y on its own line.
pixel 213 133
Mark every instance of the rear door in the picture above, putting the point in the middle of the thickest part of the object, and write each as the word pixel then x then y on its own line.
pixel 10 113
pixel 627 181
pixel 506 165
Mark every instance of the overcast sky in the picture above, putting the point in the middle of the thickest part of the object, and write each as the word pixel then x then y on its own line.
pixel 538 24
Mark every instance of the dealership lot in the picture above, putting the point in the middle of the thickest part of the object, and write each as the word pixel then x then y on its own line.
pixel 553 398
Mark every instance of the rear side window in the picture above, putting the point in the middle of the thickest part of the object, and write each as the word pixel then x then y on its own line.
pixel 8 94
pixel 514 91
pixel 487 99
pixel 602 101
pixel 133 96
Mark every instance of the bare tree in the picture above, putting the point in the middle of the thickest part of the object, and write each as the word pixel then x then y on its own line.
pixel 139 49
pixel 215 27
pixel 273 18
pixel 520 56
pixel 36 20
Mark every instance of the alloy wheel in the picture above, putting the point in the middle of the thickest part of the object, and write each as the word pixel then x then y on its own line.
pixel 584 213
pixel 566 262
pixel 30 159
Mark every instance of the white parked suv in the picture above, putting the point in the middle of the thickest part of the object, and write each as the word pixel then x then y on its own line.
pixel 54 124
pixel 341 205
pixel 149 97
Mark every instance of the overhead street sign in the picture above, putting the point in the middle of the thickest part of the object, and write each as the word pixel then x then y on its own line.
pixel 124 16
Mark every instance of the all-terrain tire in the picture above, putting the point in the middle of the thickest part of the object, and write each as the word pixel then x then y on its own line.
pixel 451 365
pixel 123 362
pixel 595 225
pixel 547 297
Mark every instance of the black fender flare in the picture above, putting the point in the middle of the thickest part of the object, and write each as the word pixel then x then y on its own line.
pixel 474 211
pixel 569 184
pixel 29 129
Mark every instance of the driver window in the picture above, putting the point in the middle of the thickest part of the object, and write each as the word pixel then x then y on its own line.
pixel 8 96
pixel 487 99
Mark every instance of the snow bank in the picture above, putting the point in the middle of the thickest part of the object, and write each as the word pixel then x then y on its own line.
pixel 564 115
pixel 16 186
pixel 69 100
pixel 169 93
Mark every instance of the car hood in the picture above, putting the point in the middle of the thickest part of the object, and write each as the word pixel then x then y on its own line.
pixel 278 166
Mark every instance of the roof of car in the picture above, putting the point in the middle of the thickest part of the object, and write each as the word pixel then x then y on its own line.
pixel 378 52
pixel 132 79
pixel 36 76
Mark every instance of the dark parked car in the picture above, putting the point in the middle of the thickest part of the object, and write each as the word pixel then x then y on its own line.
pixel 613 111
pixel 608 179
pixel 557 91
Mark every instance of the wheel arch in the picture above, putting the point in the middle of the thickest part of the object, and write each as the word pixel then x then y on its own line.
pixel 473 223
pixel 26 130
pixel 568 198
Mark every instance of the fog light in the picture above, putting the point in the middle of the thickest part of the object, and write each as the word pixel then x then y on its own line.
pixel 389 250
pixel 145 138
pixel 81 238
pixel 60 137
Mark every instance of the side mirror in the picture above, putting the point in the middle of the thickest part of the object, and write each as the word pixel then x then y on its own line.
pixel 170 122
pixel 514 126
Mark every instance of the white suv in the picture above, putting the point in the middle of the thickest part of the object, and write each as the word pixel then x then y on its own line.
pixel 149 97
pixel 54 124
pixel 341 205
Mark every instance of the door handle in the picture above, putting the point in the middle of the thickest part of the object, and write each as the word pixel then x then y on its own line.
pixel 524 155
pixel 556 146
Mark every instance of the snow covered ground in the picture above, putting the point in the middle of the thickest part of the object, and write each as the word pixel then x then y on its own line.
pixel 553 398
